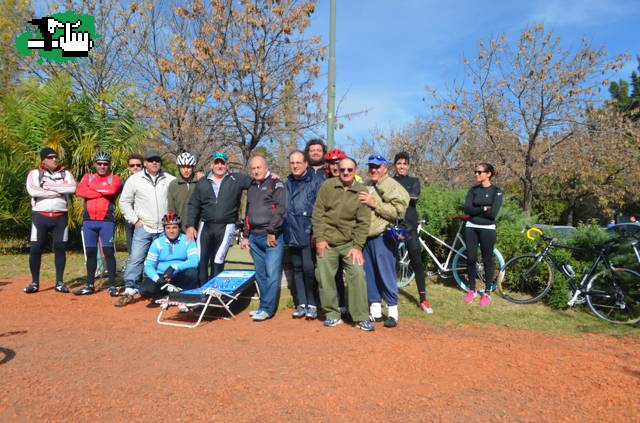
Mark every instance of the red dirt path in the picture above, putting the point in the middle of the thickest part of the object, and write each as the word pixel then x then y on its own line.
pixel 81 359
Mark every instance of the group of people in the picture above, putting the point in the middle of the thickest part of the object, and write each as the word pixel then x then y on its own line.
pixel 341 232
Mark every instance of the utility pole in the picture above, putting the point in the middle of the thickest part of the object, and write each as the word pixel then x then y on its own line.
pixel 331 97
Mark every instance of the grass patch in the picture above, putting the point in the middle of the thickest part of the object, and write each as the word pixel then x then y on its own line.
pixel 445 299
pixel 448 308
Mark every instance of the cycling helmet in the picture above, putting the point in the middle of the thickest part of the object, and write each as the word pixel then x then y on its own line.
pixel 185 159
pixel 397 233
pixel 334 154
pixel 102 156
pixel 171 218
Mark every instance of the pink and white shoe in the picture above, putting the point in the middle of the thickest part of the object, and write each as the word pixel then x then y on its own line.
pixel 471 295
pixel 485 300
pixel 426 307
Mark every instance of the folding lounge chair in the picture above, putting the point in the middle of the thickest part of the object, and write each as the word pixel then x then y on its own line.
pixel 221 291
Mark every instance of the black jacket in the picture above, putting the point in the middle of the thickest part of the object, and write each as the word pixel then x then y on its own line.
pixel 205 206
pixel 265 207
pixel 412 185
pixel 479 197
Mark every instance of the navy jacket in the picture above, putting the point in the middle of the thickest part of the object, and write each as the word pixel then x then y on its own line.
pixel 300 198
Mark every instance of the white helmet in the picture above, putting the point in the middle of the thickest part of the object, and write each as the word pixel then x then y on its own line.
pixel 185 159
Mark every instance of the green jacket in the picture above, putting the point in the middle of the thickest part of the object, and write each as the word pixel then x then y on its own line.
pixel 392 201
pixel 338 216
pixel 178 194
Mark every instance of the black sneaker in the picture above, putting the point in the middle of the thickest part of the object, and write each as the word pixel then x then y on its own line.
pixel 113 291
pixel 390 322
pixel 85 290
pixel 32 288
pixel 366 325
pixel 61 287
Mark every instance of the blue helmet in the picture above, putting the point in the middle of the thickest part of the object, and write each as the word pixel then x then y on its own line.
pixel 397 233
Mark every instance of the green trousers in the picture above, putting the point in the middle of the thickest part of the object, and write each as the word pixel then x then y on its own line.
pixel 354 279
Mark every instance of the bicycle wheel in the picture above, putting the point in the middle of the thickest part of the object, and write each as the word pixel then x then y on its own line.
pixel 614 295
pixel 404 273
pixel 525 279
pixel 460 268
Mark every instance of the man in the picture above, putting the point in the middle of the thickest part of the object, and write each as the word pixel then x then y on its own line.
pixel 49 187
pixel 412 185
pixel 332 160
pixel 134 165
pixel 143 203
pixel 215 202
pixel 388 202
pixel 340 227
pixel 99 191
pixel 172 259
pixel 314 152
pixel 263 226
pixel 301 190
pixel 180 189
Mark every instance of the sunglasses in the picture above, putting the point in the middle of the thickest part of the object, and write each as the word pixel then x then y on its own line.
pixel 346 169
pixel 135 164
pixel 155 160
pixel 480 172
pixel 102 163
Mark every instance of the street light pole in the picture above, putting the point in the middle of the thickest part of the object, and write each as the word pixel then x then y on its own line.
pixel 331 95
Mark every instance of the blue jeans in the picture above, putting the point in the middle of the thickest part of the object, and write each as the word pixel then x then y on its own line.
pixel 139 247
pixel 268 264
pixel 380 268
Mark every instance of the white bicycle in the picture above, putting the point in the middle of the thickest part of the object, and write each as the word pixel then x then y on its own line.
pixel 454 264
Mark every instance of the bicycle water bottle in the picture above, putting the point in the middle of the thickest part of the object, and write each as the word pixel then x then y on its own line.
pixel 568 270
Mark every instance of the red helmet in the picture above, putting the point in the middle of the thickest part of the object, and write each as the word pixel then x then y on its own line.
pixel 171 218
pixel 334 154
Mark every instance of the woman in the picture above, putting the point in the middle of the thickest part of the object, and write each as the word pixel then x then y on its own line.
pixel 482 205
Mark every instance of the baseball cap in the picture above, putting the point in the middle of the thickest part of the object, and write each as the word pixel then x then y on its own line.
pixel 152 154
pixel 377 159
pixel 218 155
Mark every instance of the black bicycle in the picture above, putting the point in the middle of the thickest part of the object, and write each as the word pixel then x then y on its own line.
pixel 612 293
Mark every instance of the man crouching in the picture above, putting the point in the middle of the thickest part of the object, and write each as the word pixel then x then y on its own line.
pixel 171 259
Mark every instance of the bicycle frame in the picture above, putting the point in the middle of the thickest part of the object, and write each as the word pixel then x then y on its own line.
pixel 577 289
pixel 453 249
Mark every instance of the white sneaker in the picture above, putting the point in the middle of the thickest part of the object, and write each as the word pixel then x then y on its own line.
pixel 183 308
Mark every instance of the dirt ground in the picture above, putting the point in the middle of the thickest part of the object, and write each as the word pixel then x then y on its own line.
pixel 64 358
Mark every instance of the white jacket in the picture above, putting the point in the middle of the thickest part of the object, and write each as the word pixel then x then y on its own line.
pixel 50 191
pixel 143 200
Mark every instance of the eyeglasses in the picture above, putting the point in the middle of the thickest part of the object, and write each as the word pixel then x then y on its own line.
pixel 135 164
pixel 346 169
pixel 155 160
pixel 479 172
pixel 102 163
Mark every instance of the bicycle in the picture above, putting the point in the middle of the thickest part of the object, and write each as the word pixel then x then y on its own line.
pixel 455 262
pixel 613 294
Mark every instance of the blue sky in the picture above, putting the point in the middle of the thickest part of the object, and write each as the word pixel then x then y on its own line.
pixel 387 51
